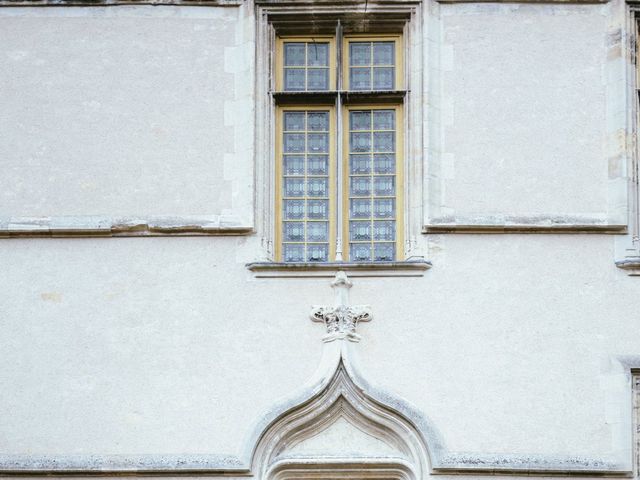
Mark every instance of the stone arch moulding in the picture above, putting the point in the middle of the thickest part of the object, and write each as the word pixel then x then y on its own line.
pixel 340 396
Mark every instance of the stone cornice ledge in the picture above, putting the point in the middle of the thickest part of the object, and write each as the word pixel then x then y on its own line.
pixel 119 464
pixel 543 223
pixel 104 226
pixel 631 265
pixel 407 268
pixel 108 3
pixel 460 463
pixel 568 2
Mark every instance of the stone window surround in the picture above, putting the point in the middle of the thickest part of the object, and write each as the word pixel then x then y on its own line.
pixel 321 17
pixel 628 20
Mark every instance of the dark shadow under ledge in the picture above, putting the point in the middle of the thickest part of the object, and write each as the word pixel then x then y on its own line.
pixel 407 268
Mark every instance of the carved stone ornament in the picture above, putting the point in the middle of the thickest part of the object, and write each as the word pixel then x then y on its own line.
pixel 342 319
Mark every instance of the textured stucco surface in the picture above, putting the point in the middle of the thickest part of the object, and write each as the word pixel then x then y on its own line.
pixel 524 109
pixel 498 345
pixel 171 346
pixel 115 110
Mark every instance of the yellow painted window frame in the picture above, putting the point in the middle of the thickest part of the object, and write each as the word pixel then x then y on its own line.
pixel 279 175
pixel 399 57
pixel 280 41
pixel 399 196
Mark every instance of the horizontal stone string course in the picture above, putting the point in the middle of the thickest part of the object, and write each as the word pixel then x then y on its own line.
pixel 103 3
pixel 122 226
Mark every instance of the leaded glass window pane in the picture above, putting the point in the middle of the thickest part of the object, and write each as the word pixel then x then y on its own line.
pixel 293 209
pixel 384 252
pixel 294 54
pixel 318 79
pixel 360 252
pixel 372 65
pixel 383 53
pixel 318 231
pixel 372 185
pixel 318 54
pixel 294 79
pixel 293 252
pixel 306 66
pixel 318 209
pixel 318 164
pixel 317 252
pixel 305 185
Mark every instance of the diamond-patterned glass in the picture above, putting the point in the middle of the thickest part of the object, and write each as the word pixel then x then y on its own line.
pixel 360 163
pixel 383 78
pixel 293 209
pixel 384 230
pixel 318 209
pixel 372 188
pixel 360 120
pixel 360 208
pixel 383 53
pixel 384 163
pixel 360 186
pixel 294 142
pixel 293 165
pixel 384 120
pixel 318 187
pixel 384 252
pixel 318 121
pixel 372 65
pixel 293 231
pixel 318 54
pixel 294 187
pixel 360 252
pixel 384 186
pixel 360 142
pixel 293 121
pixel 360 231
pixel 318 79
pixel 318 142
pixel 293 253
pixel 294 54
pixel 318 232
pixel 317 252
pixel 360 78
pixel 359 53
pixel 383 142
pixel 384 208
pixel 306 66
pixel 294 79
pixel 318 164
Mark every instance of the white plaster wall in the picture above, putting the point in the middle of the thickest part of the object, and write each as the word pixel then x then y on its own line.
pixel 504 344
pixel 523 109
pixel 120 111
pixel 168 345
pixel 153 346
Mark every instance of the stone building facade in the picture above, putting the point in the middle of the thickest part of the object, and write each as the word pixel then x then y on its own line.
pixel 284 239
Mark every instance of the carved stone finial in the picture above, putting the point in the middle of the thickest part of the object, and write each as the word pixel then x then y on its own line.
pixel 342 319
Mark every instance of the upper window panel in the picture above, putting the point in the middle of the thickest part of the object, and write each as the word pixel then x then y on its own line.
pixel 305 64
pixel 373 64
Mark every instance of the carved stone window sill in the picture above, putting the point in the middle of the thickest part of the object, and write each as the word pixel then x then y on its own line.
pixel 631 265
pixel 408 268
